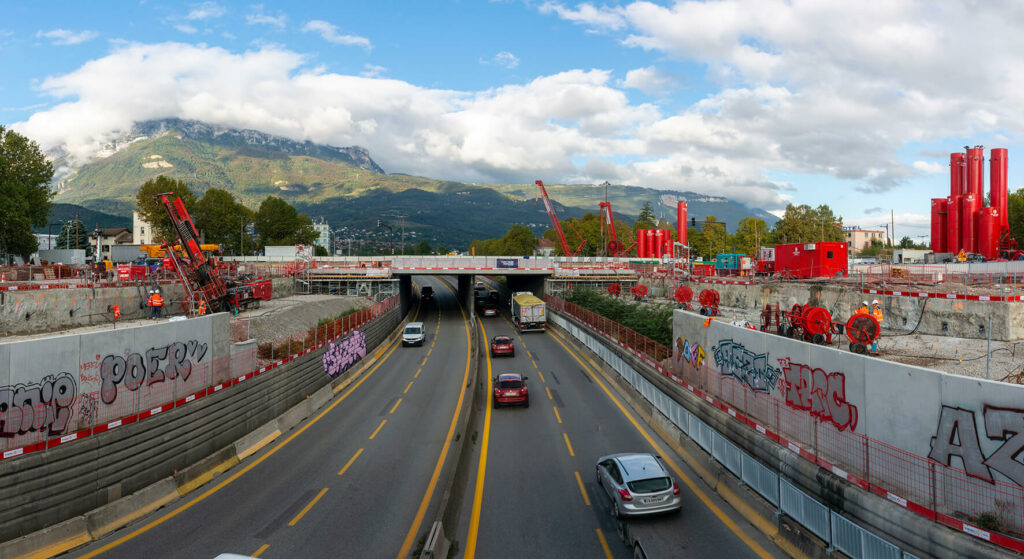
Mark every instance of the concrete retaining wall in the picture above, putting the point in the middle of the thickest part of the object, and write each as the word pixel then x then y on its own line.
pixel 48 487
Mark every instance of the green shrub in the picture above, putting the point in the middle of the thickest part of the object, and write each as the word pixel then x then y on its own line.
pixel 651 320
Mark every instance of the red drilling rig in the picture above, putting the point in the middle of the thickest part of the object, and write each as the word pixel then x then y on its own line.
pixel 557 225
pixel 198 273
pixel 615 248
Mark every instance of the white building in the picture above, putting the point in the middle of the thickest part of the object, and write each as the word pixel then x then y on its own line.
pixel 142 232
pixel 324 240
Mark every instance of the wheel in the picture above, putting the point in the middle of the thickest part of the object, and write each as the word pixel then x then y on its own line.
pixel 818 339
pixel 703 311
pixel 513 354
pixel 860 348
pixel 597 475
pixel 616 513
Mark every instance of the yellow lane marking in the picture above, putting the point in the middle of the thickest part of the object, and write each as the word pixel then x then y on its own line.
pixel 201 497
pixel 604 544
pixel 429 351
pixel 424 362
pixel 579 481
pixel 395 406
pixel 306 508
pixel 557 415
pixel 753 545
pixel 541 376
pixel 379 427
pixel 410 536
pixel 478 493
pixel 568 445
pixel 534 364
pixel 549 392
pixel 350 461
pixel 406 391
pixel 260 550
pixel 418 371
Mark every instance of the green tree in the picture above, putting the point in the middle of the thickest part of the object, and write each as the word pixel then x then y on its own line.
pixel 519 240
pixel 278 223
pixel 153 212
pixel 1015 207
pixel 751 233
pixel 804 224
pixel 222 220
pixel 25 194
pixel 421 248
pixel 320 251
pixel 646 218
pixel 73 235
pixel 715 236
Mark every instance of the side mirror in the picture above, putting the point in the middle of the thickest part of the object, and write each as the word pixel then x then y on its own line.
pixel 525 378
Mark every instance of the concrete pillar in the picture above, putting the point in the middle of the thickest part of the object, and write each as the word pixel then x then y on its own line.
pixel 466 292
pixel 404 293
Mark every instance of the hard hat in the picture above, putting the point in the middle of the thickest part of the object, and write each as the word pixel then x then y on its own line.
pixel 875 302
pixel 865 303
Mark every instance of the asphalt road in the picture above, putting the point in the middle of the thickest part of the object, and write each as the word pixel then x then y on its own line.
pixel 352 484
pixel 539 497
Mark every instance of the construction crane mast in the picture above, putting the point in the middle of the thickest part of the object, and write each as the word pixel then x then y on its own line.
pixel 557 225
pixel 197 272
pixel 615 248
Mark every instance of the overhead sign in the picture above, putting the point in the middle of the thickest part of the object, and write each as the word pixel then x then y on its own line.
pixel 508 262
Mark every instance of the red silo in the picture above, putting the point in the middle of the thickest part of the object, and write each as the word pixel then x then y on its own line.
pixel 953 204
pixel 667 252
pixel 649 243
pixel 988 232
pixel 976 172
pixel 641 248
pixel 659 243
pixel 940 224
pixel 956 174
pixel 969 222
pixel 681 222
pixel 998 187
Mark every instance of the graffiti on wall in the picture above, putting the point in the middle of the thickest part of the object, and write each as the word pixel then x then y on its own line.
pixel 957 435
pixel 735 360
pixel 342 355
pixel 692 353
pixel 821 393
pixel 43 406
pixel 157 364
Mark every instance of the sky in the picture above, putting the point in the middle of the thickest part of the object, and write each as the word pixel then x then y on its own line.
pixel 852 104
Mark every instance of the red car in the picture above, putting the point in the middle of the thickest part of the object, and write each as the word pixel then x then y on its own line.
pixel 510 388
pixel 502 345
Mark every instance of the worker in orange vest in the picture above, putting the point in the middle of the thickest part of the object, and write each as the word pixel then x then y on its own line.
pixel 202 307
pixel 117 313
pixel 877 313
pixel 863 308
pixel 156 304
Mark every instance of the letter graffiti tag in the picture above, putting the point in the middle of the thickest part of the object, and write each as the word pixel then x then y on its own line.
pixel 823 394
pixel 342 355
pixel 35 407
pixel 690 352
pixel 957 435
pixel 753 370
pixel 134 369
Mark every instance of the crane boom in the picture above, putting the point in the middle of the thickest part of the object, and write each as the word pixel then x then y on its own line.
pixel 197 272
pixel 554 219
pixel 615 248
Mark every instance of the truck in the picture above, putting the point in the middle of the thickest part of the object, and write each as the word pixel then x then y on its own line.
pixel 529 313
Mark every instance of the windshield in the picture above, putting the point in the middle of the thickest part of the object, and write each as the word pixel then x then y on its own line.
pixel 413 330
pixel 510 384
pixel 650 485
pixel 502 340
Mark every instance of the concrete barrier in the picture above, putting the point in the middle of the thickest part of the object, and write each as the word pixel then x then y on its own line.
pixel 126 510
pixel 48 542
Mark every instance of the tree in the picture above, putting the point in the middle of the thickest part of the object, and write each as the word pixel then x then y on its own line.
pixel 751 233
pixel 714 235
pixel 646 218
pixel 278 223
pixel 1015 208
pixel 222 220
pixel 153 212
pixel 804 224
pixel 25 194
pixel 320 251
pixel 73 235
pixel 519 240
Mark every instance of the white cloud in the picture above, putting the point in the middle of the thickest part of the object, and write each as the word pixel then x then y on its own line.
pixel 929 167
pixel 587 14
pixel 66 37
pixel 259 17
pixel 649 80
pixel 329 32
pixel 372 71
pixel 185 28
pixel 206 10
pixel 504 58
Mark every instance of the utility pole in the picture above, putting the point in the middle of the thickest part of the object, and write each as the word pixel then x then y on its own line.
pixel 892 219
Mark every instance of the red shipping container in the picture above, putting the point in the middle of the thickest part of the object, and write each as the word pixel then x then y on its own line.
pixel 812 260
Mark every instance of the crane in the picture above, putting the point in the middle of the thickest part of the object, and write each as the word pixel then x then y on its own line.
pixel 607 219
pixel 557 225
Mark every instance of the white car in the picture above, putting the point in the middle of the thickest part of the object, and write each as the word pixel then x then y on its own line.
pixel 413 334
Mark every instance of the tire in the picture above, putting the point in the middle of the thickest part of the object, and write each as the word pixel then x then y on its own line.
pixel 495 404
pixel 616 513
pixel 597 475
pixel 513 354
pixel 860 349
pixel 818 339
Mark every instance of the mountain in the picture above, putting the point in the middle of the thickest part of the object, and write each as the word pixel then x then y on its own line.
pixel 344 185
pixel 91 219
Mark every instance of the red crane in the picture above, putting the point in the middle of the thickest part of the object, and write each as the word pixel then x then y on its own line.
pixel 557 225
pixel 615 248
pixel 198 273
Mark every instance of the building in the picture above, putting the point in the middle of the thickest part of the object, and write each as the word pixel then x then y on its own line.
pixel 324 240
pixel 545 247
pixel 110 237
pixel 858 239
pixel 142 232
pixel 909 256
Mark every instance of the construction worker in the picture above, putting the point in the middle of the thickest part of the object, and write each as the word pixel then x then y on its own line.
pixel 876 312
pixel 117 313
pixel 156 304
pixel 863 308
pixel 202 307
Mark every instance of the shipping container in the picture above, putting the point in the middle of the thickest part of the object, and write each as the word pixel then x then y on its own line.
pixel 812 260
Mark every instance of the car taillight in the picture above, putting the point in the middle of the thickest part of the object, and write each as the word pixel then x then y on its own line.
pixel 675 488
pixel 624 495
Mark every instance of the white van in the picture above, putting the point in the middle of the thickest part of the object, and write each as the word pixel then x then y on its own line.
pixel 413 334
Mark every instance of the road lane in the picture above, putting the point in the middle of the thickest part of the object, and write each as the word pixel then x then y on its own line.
pixel 333 491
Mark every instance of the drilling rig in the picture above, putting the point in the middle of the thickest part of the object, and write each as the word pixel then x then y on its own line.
pixel 197 272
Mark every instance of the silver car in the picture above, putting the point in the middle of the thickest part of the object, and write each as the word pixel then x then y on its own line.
pixel 637 484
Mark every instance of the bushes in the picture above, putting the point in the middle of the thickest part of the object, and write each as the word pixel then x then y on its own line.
pixel 651 320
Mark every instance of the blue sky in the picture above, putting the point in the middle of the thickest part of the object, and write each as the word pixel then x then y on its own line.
pixel 764 101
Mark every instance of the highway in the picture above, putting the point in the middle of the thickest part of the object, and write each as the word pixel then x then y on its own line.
pixel 357 480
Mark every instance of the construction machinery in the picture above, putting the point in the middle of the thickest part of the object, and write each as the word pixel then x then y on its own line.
pixel 684 295
pixel 862 329
pixel 557 225
pixel 615 248
pixel 198 273
pixel 709 301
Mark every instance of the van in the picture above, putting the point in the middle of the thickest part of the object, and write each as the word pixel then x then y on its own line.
pixel 413 334
pixel 427 293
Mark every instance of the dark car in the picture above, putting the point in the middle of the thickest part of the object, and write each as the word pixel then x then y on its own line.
pixel 427 293
pixel 510 389
pixel 486 308
pixel 502 345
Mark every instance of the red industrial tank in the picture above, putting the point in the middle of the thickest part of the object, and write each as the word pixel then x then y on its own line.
pixel 681 222
pixel 667 252
pixel 976 172
pixel 649 242
pixel 641 245
pixel 659 243
pixel 969 222
pixel 999 198
pixel 953 239
pixel 939 224
pixel 956 174
pixel 988 233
